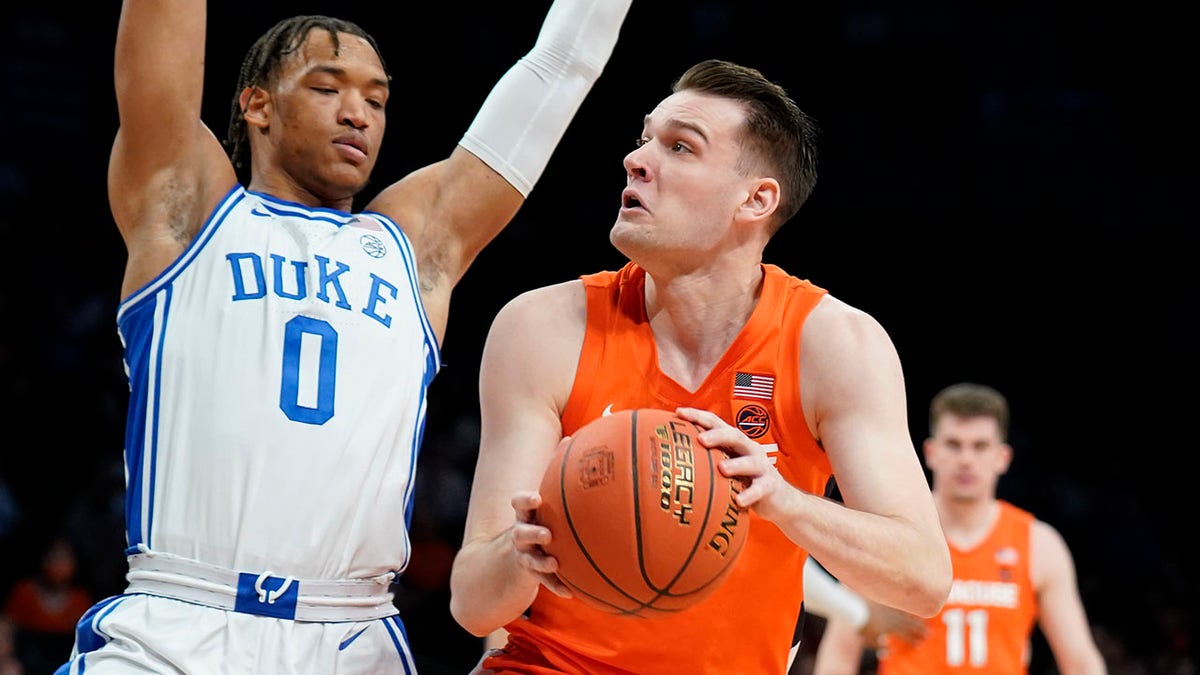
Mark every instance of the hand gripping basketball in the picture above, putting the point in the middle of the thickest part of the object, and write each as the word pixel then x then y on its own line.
pixel 642 522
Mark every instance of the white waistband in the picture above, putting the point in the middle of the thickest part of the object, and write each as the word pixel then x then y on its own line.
pixel 264 593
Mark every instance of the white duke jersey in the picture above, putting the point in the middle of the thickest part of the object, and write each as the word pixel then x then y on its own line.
pixel 278 374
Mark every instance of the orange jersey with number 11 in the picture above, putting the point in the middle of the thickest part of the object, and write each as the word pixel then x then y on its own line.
pixel 985 625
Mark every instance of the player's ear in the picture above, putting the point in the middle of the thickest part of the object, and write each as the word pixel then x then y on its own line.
pixel 255 103
pixel 761 201
pixel 1006 455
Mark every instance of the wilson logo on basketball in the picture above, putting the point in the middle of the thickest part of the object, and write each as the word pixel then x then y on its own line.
pixel 753 420
pixel 596 468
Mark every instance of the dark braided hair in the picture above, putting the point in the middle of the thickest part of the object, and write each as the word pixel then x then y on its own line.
pixel 261 65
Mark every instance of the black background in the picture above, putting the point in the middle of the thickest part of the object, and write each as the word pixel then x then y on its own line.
pixel 1009 187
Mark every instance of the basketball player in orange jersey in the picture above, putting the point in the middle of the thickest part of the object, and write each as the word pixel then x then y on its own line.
pixel 793 382
pixel 1010 569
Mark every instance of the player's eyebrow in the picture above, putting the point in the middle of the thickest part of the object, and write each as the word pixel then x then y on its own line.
pixel 678 124
pixel 337 71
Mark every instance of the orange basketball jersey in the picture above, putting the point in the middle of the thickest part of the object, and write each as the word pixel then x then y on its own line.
pixel 985 625
pixel 747 624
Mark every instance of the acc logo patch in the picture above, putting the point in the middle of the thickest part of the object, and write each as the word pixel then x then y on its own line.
pixel 753 420
pixel 372 246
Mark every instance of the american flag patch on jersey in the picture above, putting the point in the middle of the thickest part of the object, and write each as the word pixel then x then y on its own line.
pixel 751 385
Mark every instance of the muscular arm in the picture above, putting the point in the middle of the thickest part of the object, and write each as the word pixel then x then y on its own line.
pixel 886 541
pixel 527 368
pixel 452 209
pixel 166 170
pixel 1061 616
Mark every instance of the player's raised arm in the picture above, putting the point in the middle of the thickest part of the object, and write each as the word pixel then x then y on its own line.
pixel 452 209
pixel 166 168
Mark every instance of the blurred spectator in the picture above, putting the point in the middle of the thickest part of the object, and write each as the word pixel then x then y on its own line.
pixel 45 607
pixel 9 664
pixel 1174 656
pixel 95 522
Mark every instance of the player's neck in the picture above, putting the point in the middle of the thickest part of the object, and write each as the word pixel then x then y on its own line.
pixel 967 521
pixel 696 318
pixel 278 185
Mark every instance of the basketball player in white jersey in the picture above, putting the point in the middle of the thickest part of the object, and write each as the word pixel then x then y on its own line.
pixel 278 346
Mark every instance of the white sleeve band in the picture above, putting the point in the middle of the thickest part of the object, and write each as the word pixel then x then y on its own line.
pixel 527 112
pixel 827 597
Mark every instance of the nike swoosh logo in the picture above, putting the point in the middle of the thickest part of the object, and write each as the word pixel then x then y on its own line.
pixel 607 410
pixel 350 639
pixel 255 212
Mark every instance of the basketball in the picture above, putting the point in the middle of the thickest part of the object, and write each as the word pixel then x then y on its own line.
pixel 642 522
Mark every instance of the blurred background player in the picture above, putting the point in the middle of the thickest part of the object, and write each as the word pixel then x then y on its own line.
pixel 1010 569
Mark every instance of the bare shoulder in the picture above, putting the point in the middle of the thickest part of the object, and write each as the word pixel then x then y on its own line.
pixel 557 311
pixel 408 200
pixel 844 351
pixel 1050 557
pixel 159 204
pixel 176 193
pixel 449 210
pixel 1046 538
pixel 833 322
pixel 533 347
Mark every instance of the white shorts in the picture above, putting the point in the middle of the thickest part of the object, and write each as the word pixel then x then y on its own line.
pixel 137 633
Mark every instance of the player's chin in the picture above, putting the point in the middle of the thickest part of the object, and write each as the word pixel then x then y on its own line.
pixel 349 162
pixel 627 225
pixel 346 181
pixel 629 238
